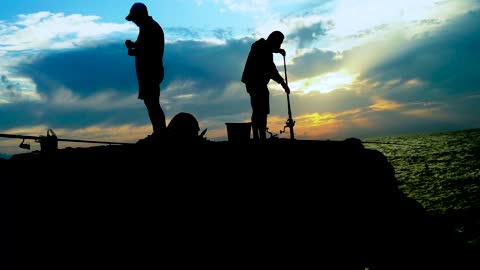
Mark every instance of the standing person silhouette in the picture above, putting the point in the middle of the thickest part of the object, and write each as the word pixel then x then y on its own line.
pixel 148 51
pixel 259 69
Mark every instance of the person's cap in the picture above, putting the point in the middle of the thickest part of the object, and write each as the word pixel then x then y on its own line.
pixel 137 10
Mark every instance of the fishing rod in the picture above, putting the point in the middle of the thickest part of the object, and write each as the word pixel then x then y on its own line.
pixel 58 139
pixel 290 122
pixel 51 140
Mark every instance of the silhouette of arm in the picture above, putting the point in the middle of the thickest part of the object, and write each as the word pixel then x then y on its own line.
pixel 275 75
pixel 278 78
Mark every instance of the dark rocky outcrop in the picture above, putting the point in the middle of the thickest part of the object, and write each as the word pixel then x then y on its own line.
pixel 284 203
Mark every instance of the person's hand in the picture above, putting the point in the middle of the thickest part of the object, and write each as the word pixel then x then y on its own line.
pixel 129 44
pixel 286 88
pixel 282 52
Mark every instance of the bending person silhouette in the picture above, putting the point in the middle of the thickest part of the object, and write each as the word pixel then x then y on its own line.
pixel 148 51
pixel 259 69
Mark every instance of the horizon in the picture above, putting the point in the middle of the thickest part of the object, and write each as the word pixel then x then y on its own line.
pixel 355 68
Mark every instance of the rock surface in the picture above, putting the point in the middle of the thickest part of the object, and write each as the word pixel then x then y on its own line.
pixel 283 203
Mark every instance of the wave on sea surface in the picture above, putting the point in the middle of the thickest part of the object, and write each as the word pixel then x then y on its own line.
pixel 440 170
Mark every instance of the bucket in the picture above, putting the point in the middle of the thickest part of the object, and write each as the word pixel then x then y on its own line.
pixel 49 143
pixel 239 132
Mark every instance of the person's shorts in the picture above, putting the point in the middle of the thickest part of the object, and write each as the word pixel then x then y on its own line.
pixel 259 99
pixel 148 90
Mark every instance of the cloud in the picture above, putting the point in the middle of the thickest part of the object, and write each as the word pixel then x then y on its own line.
pixel 16 89
pixel 309 35
pixel 344 24
pixel 212 66
pixel 85 71
pixel 446 62
pixel 9 90
pixel 313 63
pixel 203 78
pixel 246 5
pixel 408 83
pixel 9 85
pixel 76 82
pixel 30 38
pixel 174 33
pixel 46 31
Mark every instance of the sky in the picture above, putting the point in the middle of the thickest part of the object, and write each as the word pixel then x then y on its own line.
pixel 356 68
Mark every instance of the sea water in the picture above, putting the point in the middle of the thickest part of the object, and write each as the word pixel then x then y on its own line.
pixel 439 170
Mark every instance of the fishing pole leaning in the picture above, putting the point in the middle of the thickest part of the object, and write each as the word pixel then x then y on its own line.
pixel 290 122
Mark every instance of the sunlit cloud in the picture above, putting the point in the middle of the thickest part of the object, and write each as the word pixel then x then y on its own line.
pixel 345 24
pixel 431 113
pixel 351 17
pixel 384 105
pixel 17 89
pixel 22 40
pixel 413 83
pixel 325 83
pixel 46 31
pixel 120 133
pixel 102 101
pixel 398 83
pixel 180 91
pixel 319 125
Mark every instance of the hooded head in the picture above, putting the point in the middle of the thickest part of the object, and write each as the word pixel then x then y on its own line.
pixel 275 39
